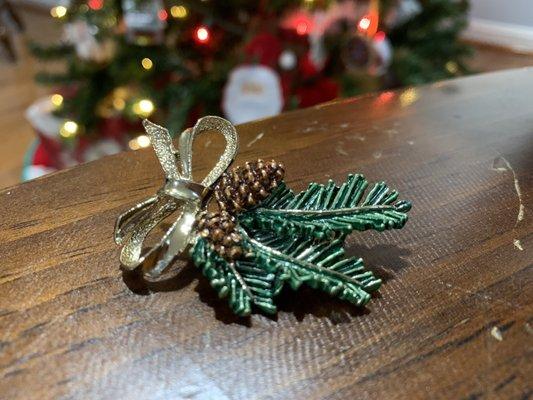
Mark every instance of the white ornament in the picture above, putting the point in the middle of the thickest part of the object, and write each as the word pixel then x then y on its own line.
pixel 41 117
pixel 88 48
pixel 252 92
pixel 287 60
pixel 404 11
pixel 143 17
pixel 317 51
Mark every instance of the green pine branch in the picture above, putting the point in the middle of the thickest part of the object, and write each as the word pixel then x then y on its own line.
pixel 324 211
pixel 244 283
pixel 319 264
pixel 271 260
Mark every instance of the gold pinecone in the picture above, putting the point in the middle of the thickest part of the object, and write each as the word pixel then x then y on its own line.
pixel 220 230
pixel 245 187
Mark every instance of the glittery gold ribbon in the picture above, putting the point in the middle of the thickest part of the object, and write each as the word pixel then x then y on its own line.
pixel 179 194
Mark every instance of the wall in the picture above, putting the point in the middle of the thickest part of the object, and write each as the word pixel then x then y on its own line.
pixel 507 23
pixel 519 12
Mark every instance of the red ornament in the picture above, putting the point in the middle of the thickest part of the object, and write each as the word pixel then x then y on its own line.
pixel 264 48
pixel 202 35
pixel 324 89
pixel 306 67
pixel 380 36
pixel 42 157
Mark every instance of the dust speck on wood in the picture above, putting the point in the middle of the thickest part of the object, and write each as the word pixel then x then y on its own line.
pixel 496 333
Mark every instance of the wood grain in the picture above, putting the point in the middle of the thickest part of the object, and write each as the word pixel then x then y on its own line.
pixel 452 320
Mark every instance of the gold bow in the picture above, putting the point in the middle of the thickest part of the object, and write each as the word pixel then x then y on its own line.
pixel 179 193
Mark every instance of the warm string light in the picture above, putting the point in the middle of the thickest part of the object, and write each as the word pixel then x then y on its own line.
pixel 147 63
pixel 58 11
pixel 119 104
pixel 452 67
pixel 202 35
pixel 179 12
pixel 57 100
pixel 302 28
pixel 368 25
pixel 364 23
pixel 144 108
pixel 139 142
pixel 69 129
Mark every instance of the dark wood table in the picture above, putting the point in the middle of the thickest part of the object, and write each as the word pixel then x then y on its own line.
pixel 452 319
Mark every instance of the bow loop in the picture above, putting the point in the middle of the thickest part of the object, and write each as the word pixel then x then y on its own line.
pixel 164 149
pixel 205 124
pixel 179 193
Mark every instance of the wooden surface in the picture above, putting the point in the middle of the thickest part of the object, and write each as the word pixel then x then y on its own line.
pixel 18 90
pixel 452 320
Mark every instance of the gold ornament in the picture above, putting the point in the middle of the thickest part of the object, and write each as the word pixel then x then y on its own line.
pixel 179 193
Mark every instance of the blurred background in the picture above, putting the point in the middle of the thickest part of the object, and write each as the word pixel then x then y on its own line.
pixel 77 77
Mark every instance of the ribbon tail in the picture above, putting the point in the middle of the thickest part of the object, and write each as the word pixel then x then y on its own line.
pixel 185 153
pixel 126 221
pixel 177 238
pixel 130 256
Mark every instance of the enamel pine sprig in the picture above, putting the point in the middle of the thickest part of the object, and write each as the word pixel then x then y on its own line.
pixel 288 238
pixel 263 236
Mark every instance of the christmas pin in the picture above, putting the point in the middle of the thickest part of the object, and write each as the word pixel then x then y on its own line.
pixel 263 235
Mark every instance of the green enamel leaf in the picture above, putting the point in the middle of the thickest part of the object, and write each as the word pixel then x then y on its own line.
pixel 324 211
pixel 244 282
pixel 318 264
pixel 273 260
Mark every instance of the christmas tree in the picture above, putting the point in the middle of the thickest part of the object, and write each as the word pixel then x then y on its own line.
pixel 174 61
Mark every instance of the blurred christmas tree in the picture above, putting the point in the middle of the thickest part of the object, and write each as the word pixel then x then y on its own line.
pixel 176 60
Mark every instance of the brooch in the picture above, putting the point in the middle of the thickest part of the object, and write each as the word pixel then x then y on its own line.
pixel 263 235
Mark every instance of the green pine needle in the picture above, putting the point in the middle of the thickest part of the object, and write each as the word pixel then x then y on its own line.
pixel 244 283
pixel 328 210
pixel 318 264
